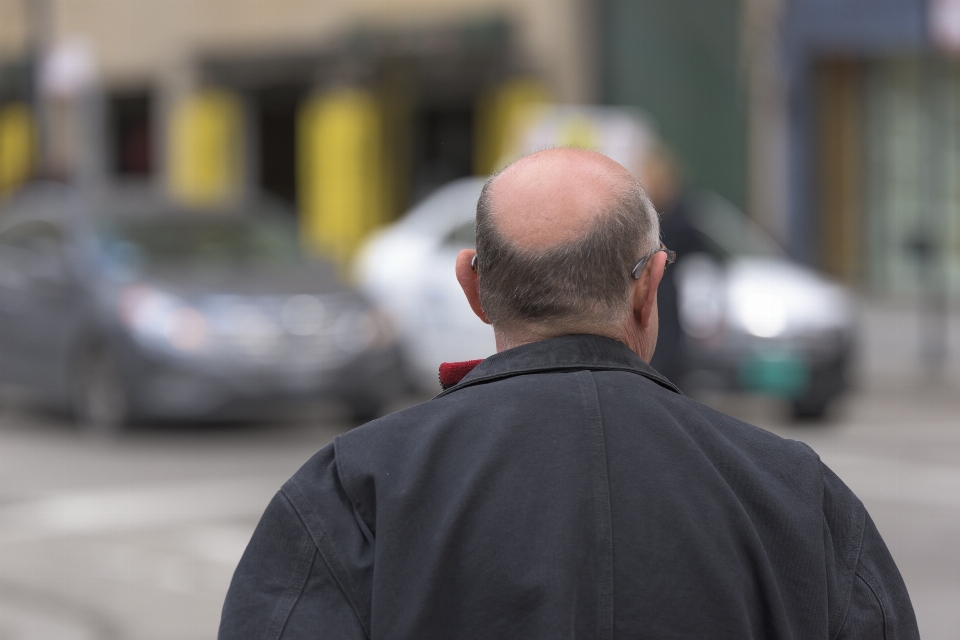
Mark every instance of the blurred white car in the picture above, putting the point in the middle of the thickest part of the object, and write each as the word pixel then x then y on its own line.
pixel 408 270
pixel 751 317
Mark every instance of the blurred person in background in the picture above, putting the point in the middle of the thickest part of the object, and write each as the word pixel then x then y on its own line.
pixel 562 487
pixel 663 181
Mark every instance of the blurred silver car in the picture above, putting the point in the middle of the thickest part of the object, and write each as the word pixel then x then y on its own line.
pixel 122 305
pixel 752 318
pixel 755 320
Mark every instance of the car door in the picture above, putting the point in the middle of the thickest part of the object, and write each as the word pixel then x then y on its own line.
pixel 38 305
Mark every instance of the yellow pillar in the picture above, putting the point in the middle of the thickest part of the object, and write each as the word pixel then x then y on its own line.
pixel 206 148
pixel 339 171
pixel 17 141
pixel 501 116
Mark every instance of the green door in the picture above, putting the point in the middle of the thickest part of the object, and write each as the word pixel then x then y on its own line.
pixel 679 61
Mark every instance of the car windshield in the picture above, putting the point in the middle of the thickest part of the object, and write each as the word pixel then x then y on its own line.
pixel 730 229
pixel 180 240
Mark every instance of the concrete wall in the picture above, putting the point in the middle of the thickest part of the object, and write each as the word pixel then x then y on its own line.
pixel 13 28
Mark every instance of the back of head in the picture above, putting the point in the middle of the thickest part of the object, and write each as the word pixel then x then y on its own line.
pixel 557 235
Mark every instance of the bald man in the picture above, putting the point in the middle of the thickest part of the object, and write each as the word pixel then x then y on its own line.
pixel 562 488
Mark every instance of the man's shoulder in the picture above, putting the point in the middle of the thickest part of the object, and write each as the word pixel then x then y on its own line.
pixel 625 396
pixel 404 425
pixel 747 436
pixel 691 418
pixel 754 450
pixel 392 440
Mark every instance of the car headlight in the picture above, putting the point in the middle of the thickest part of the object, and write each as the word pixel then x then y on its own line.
pixel 760 310
pixel 303 315
pixel 358 329
pixel 700 287
pixel 160 320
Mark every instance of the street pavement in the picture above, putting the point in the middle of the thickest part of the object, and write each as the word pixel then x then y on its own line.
pixel 136 538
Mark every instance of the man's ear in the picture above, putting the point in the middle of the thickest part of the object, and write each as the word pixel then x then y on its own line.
pixel 469 281
pixel 645 296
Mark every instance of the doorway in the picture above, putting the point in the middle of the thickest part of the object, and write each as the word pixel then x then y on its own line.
pixel 442 147
pixel 276 135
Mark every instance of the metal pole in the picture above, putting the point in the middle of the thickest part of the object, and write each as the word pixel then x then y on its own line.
pixel 927 244
pixel 40 33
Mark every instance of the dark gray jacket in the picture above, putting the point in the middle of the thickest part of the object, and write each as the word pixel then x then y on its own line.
pixel 564 489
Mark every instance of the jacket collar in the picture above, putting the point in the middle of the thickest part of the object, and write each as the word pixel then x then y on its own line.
pixel 566 353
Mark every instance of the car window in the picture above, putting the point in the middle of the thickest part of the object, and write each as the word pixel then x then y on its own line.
pixel 463 236
pixel 36 237
pixel 34 249
pixel 199 241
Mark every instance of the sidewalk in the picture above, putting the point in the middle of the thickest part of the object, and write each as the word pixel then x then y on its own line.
pixel 890 343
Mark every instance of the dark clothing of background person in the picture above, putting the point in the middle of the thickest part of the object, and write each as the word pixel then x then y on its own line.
pixel 565 489
pixel 677 233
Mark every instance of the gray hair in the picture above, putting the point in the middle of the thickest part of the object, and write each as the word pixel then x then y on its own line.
pixel 577 285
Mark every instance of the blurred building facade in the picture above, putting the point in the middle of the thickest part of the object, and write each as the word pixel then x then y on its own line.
pixel 350 111
pixel 680 61
pixel 874 117
pixel 834 123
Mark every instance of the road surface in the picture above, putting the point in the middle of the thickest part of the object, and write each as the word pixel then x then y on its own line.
pixel 137 538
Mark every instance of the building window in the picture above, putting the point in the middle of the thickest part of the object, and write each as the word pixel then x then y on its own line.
pixel 442 147
pixel 130 128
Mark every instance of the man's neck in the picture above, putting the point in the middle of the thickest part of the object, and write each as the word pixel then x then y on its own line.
pixel 509 340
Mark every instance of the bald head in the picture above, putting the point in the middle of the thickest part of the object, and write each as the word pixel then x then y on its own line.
pixel 555 196
pixel 558 233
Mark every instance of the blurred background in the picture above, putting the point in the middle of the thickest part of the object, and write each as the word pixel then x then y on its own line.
pixel 227 231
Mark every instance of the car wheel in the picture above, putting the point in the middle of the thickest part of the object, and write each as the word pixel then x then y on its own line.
pixel 825 386
pixel 808 408
pixel 100 404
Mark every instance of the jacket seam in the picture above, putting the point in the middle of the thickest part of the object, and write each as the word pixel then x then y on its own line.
pixel 329 554
pixel 853 569
pixel 869 579
pixel 602 496
pixel 292 594
pixel 875 592
pixel 343 474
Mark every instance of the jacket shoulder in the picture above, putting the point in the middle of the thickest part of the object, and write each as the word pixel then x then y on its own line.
pixel 701 422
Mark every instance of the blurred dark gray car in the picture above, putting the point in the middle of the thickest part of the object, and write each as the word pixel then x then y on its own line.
pixel 755 320
pixel 123 306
